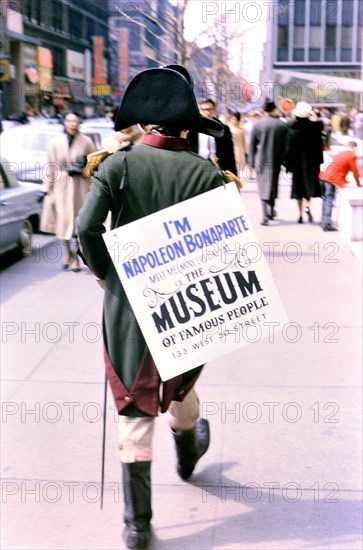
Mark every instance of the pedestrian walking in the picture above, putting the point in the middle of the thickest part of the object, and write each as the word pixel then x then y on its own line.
pixel 219 148
pixel 239 141
pixel 333 176
pixel 304 154
pixel 248 123
pixel 267 150
pixel 66 186
pixel 155 174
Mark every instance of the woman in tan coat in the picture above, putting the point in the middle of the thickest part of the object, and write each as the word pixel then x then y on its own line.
pixel 239 141
pixel 66 185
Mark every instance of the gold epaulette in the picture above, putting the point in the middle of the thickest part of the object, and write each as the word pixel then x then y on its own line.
pixel 232 177
pixel 94 159
pixel 227 175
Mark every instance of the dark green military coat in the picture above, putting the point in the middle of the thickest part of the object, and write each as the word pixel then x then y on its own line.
pixel 160 172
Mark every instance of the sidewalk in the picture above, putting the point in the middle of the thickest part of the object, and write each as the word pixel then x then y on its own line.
pixel 283 471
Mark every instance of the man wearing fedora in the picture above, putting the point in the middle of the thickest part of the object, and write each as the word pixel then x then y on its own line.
pixel 267 148
pixel 132 183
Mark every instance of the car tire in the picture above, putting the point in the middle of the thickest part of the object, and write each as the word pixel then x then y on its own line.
pixel 26 238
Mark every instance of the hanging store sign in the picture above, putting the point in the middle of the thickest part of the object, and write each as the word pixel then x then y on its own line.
pixel 98 61
pixel 123 55
pixel 30 60
pixel 45 67
pixel 101 90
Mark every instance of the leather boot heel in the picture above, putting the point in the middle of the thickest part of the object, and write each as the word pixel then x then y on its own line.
pixel 191 446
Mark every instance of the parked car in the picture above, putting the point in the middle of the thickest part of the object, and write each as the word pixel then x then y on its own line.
pixel 26 146
pixel 102 126
pixel 20 211
pixel 7 123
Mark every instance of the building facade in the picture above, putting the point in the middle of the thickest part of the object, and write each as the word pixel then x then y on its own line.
pixel 58 54
pixel 314 50
pixel 143 35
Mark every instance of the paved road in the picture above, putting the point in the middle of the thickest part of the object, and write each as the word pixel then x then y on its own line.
pixel 284 467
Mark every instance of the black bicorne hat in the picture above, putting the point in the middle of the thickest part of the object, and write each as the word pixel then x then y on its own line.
pixel 164 96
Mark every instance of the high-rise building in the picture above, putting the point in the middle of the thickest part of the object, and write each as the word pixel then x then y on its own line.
pixel 314 49
pixel 58 56
pixel 143 35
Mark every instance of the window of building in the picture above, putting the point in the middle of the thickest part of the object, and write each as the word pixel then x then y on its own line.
pixel 315 12
pixel 331 11
pixel 315 37
pixel 359 47
pixel 347 37
pixel 28 10
pixel 284 12
pixel 331 36
pixel 299 37
pixel 38 12
pixel 314 54
pixel 347 12
pixel 58 61
pixel 314 43
pixel 299 43
pixel 283 35
pixel 298 54
pixel 282 54
pixel 91 27
pixel 57 16
pixel 135 38
pixel 75 23
pixel 330 54
pixel 299 12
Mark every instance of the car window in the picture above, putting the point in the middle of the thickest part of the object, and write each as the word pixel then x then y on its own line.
pixel 8 178
pixel 25 141
pixel 37 142
pixel 2 182
pixel 3 179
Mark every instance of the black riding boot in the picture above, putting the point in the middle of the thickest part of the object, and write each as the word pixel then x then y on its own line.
pixel 191 446
pixel 137 497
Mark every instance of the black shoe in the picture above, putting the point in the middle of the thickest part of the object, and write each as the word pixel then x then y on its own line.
pixel 272 215
pixel 137 498
pixel 191 446
pixel 329 227
pixel 310 217
pixel 300 220
pixel 265 221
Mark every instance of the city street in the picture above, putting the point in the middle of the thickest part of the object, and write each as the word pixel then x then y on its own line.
pixel 283 470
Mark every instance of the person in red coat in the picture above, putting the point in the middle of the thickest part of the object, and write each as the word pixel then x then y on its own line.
pixel 333 176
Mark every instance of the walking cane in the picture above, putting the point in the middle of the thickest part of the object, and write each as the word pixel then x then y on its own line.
pixel 103 442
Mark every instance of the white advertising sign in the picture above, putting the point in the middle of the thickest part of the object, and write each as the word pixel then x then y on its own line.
pixel 75 65
pixel 197 280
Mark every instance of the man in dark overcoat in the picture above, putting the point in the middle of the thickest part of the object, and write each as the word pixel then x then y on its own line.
pixel 220 148
pixel 266 156
pixel 133 183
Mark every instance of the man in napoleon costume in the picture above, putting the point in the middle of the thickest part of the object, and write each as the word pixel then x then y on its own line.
pixel 154 174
